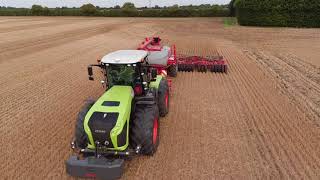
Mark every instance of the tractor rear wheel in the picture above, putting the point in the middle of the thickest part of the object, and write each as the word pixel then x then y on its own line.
pixel 173 70
pixel 81 139
pixel 145 129
pixel 164 97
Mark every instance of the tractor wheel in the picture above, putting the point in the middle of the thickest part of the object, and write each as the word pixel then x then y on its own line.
pixel 215 68
pixel 173 70
pixel 145 129
pixel 212 69
pixel 223 68
pixel 203 69
pixel 219 68
pixel 163 94
pixel 191 68
pixel 81 139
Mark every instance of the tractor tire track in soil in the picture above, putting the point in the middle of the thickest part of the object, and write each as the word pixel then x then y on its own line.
pixel 28 25
pixel 274 115
pixel 259 121
pixel 298 78
pixel 22 48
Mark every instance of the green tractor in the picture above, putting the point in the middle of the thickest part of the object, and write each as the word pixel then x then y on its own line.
pixel 124 121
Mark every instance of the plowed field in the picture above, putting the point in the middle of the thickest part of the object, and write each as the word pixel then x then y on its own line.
pixel 259 121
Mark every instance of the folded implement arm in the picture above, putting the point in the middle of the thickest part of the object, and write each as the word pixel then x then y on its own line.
pixel 202 64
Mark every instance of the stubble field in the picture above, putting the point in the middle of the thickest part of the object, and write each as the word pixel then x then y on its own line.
pixel 259 121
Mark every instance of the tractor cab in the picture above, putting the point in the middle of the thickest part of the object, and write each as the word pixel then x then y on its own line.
pixel 127 68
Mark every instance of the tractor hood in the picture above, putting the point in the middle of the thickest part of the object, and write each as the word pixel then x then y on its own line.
pixel 107 122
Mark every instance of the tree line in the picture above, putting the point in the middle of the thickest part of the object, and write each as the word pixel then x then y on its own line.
pixel 127 10
pixel 288 13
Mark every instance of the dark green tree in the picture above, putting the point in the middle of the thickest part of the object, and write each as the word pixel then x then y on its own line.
pixel 128 9
pixel 36 10
pixel 176 6
pixel 232 8
pixel 45 11
pixel 88 9
pixel 128 6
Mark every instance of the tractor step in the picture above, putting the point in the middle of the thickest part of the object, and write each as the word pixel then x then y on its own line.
pixel 92 167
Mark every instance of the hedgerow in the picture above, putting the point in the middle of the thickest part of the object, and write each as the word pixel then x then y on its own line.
pixel 290 13
pixel 128 10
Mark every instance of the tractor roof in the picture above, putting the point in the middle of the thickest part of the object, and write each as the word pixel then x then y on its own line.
pixel 125 57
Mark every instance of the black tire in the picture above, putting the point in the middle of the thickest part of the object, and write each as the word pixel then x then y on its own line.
pixel 191 69
pixel 203 68
pixel 215 68
pixel 222 68
pixel 164 98
pixel 180 67
pixel 173 70
pixel 142 129
pixel 212 69
pixel 81 138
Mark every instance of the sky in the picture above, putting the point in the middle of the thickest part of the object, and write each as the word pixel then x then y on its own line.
pixel 105 3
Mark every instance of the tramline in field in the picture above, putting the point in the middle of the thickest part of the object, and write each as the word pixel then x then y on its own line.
pixel 124 121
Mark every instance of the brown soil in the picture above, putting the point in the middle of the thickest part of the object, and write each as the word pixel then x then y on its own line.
pixel 259 121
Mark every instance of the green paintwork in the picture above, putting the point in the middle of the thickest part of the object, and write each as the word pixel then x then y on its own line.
pixel 155 84
pixel 123 94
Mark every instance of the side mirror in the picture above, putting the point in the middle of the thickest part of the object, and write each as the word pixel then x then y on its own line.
pixel 90 73
pixel 154 73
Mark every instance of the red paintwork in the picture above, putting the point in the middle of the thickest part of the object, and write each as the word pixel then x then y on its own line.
pixel 198 61
pixel 155 130
pixel 167 99
pixel 151 44
pixel 154 44
pixel 90 175
pixel 138 90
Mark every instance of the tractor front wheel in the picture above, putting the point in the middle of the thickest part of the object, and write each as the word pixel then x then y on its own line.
pixel 81 139
pixel 145 129
pixel 164 96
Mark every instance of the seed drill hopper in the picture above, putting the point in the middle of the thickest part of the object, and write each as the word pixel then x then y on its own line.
pixel 173 62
